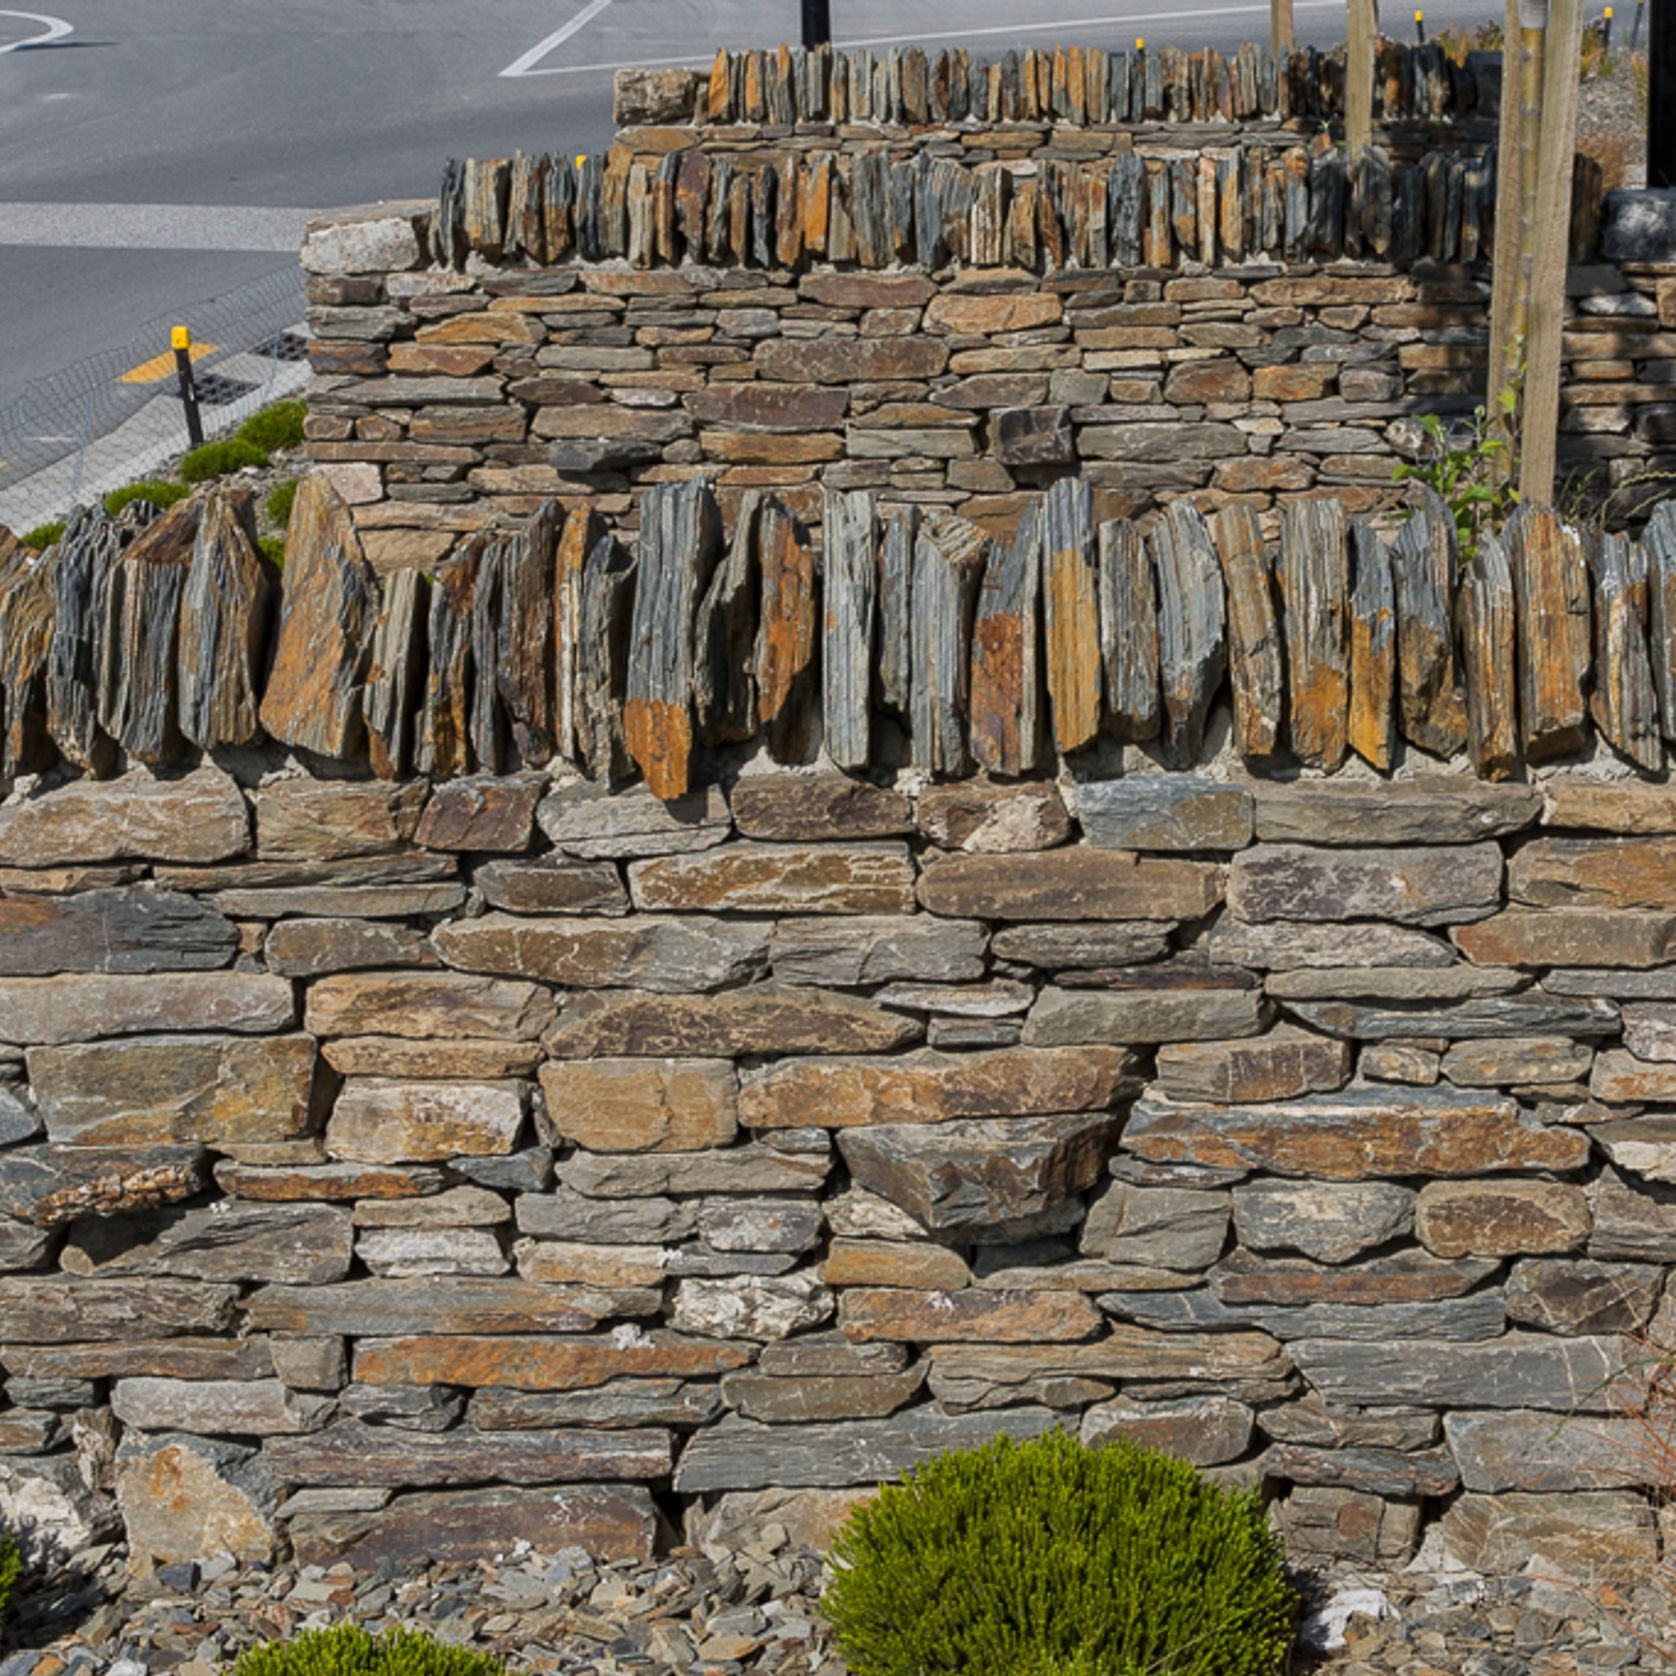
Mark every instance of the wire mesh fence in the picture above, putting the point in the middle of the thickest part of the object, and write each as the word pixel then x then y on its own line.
pixel 116 417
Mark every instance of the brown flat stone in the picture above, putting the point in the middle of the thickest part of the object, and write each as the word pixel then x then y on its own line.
pixel 1501 1218
pixel 1070 884
pixel 148 1090
pixel 643 1105
pixel 380 1122
pixel 528 1363
pixel 87 1006
pixel 759 1019
pixel 818 808
pixel 930 1087
pixel 1355 1134
pixel 778 878
pixel 325 820
pixel 901 1315
pixel 423 1005
pixel 1279 1066
pixel 198 818
pixel 1542 937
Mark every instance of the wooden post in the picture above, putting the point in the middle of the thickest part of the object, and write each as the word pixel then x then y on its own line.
pixel 1360 51
pixel 1281 37
pixel 1504 355
pixel 1551 253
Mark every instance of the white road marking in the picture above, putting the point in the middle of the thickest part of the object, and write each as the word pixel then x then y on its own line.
pixel 152 226
pixel 56 29
pixel 525 65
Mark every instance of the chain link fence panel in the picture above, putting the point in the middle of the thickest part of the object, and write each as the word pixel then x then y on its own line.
pixel 116 417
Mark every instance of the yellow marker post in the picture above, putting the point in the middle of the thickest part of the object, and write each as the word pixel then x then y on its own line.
pixel 1420 27
pixel 180 339
pixel 1140 44
pixel 1606 29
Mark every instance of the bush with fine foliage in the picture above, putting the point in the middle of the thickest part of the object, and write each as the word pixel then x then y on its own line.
pixel 1060 1560
pixel 276 427
pixel 348 1650
pixel 11 1563
pixel 43 536
pixel 160 493
pixel 221 459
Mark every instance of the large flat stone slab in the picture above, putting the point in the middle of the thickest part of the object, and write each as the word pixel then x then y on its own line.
pixel 1355 1134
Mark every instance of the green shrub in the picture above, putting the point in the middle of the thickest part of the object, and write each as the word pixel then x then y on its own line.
pixel 276 427
pixel 279 503
pixel 11 1563
pixel 273 549
pixel 162 495
pixel 1050 1557
pixel 348 1650
pixel 219 459
pixel 43 536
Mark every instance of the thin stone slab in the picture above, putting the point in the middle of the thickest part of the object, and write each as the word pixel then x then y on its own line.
pixel 1431 809
pixel 1129 644
pixel 225 610
pixel 1254 638
pixel 1007 714
pixel 667 953
pixel 297 1244
pixel 592 822
pixel 1516 1371
pixel 1431 709
pixel 111 932
pixel 1355 1134
pixel 196 819
pixel 738 1454
pixel 1551 591
pixel 877 949
pixel 330 606
pixel 1314 577
pixel 1488 613
pixel 1164 812
pixel 1191 647
pixel 378 1308
pixel 1423 886
pixel 679 539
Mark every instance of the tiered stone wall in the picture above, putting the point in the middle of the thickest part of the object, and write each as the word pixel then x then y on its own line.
pixel 403 1172
pixel 951 284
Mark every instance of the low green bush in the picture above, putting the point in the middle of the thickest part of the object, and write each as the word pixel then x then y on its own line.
pixel 11 1563
pixel 279 503
pixel 276 427
pixel 273 549
pixel 43 536
pixel 1060 1560
pixel 161 494
pixel 348 1650
pixel 220 459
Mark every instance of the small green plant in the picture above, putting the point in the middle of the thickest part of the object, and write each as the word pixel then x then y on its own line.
pixel 273 550
pixel 43 536
pixel 11 1564
pixel 221 459
pixel 1471 469
pixel 1060 1560
pixel 278 505
pixel 348 1650
pixel 160 493
pixel 276 427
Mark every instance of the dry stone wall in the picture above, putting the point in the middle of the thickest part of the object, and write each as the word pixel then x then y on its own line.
pixel 952 283
pixel 395 1170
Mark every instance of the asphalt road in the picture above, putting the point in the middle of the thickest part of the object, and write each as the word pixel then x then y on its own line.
pixel 291 105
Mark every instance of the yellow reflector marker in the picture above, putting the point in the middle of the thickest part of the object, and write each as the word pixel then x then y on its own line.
pixel 162 366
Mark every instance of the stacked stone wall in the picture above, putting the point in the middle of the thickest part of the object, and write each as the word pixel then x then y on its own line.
pixel 398 1171
pixel 1160 272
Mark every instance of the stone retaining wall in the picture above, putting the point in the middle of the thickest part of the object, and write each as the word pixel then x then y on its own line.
pixel 1157 271
pixel 398 1171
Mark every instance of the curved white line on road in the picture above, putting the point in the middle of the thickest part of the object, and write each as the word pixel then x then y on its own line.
pixel 526 64
pixel 56 29
pixel 530 64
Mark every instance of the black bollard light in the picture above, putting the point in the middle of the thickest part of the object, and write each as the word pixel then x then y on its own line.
pixel 1661 93
pixel 817 23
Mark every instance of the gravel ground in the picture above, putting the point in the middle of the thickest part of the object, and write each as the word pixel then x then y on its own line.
pixel 757 1612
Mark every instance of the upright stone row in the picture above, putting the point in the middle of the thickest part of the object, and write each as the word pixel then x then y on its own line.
pixel 1080 86
pixel 147 640
pixel 788 208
